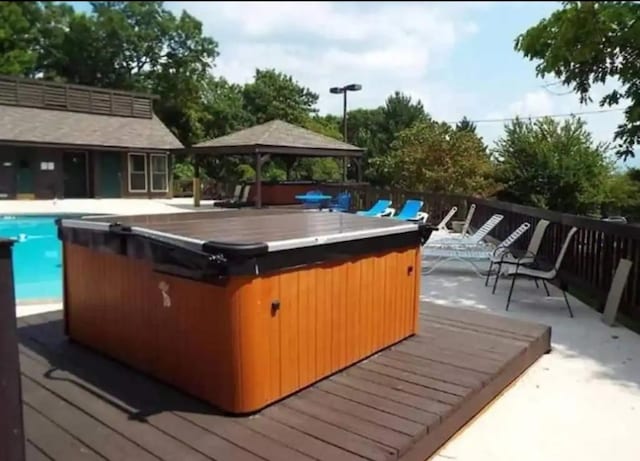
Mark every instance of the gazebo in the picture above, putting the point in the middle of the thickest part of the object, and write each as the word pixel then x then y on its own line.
pixel 275 138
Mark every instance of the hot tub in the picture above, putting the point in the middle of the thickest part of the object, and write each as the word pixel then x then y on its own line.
pixel 241 308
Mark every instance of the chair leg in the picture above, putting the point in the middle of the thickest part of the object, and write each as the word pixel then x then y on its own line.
pixel 513 282
pixel 546 288
pixel 495 281
pixel 566 300
pixel 536 282
pixel 486 282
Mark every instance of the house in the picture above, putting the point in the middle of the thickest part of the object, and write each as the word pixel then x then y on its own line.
pixel 70 141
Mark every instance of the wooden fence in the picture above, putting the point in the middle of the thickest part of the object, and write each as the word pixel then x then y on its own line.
pixel 590 262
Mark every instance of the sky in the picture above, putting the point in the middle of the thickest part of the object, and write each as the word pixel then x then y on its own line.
pixel 456 57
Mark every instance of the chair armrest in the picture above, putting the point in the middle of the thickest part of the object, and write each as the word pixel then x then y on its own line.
pixel 388 212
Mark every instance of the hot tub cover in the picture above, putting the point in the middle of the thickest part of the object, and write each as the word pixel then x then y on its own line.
pixel 246 241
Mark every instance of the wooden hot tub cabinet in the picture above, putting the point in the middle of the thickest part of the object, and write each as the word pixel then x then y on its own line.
pixel 241 308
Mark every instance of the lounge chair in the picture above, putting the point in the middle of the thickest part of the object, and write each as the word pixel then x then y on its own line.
pixel 471 253
pixel 536 272
pixel 410 211
pixel 241 200
pixel 231 200
pixel 442 226
pixel 467 221
pixel 514 256
pixel 380 208
pixel 472 240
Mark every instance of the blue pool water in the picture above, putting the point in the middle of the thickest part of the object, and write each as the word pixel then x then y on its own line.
pixel 37 256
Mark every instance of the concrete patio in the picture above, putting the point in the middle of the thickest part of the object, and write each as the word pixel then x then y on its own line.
pixel 103 206
pixel 581 401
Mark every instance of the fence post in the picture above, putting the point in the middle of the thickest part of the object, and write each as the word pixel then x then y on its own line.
pixel 11 428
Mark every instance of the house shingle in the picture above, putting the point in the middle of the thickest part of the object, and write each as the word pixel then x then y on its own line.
pixel 47 126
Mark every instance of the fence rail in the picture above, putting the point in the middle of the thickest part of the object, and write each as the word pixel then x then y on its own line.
pixel 590 262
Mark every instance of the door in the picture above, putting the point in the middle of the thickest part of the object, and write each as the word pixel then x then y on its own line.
pixel 24 177
pixel 7 178
pixel 110 174
pixel 75 174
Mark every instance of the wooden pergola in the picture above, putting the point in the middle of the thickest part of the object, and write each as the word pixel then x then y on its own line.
pixel 274 138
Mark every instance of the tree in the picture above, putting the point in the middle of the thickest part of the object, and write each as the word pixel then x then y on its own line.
pixel 26 30
pixel 274 95
pixel 466 125
pixel 585 43
pixel 434 157
pixel 552 165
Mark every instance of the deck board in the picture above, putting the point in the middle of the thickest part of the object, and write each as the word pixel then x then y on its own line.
pixel 402 403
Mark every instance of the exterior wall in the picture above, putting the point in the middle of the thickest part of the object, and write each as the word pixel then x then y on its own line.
pixel 31 172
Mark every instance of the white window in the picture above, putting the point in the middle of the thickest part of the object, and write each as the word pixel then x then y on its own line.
pixel 47 166
pixel 137 173
pixel 159 173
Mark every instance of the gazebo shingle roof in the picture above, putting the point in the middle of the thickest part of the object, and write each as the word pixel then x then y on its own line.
pixel 277 137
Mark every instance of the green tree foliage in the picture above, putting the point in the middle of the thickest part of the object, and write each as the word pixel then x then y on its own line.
pixel 274 95
pixel 435 157
pixel 552 165
pixel 622 196
pixel 466 125
pixel 24 26
pixel 586 43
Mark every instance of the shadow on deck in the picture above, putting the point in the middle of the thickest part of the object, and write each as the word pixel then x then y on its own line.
pixel 402 403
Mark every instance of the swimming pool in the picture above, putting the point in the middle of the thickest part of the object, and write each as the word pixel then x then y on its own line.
pixel 37 256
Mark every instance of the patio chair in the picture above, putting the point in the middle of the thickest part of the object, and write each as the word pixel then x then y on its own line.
pixel 536 272
pixel 378 209
pixel 472 240
pixel 342 203
pixel 470 253
pixel 235 199
pixel 442 225
pixel 467 221
pixel 410 211
pixel 242 200
pixel 515 256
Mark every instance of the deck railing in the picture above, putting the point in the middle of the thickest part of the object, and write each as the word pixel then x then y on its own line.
pixel 590 262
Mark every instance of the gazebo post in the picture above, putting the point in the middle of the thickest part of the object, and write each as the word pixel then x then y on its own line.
pixel 258 180
pixel 196 181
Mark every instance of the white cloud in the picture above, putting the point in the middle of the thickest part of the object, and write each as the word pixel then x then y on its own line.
pixel 384 46
pixel 558 101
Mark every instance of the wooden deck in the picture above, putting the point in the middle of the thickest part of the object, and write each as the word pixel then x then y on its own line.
pixel 402 403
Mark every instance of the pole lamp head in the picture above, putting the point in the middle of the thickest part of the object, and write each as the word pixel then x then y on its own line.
pixel 336 90
pixel 353 87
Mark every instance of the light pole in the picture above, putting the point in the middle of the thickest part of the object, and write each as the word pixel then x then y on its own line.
pixel 344 90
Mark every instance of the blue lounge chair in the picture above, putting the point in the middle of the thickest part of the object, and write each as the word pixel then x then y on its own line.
pixel 342 202
pixel 378 209
pixel 411 211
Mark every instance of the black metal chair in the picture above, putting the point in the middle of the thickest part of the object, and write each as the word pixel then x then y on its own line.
pixel 537 271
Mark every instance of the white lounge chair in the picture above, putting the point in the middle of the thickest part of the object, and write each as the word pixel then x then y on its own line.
pixel 518 257
pixel 442 226
pixel 439 239
pixel 533 272
pixel 471 254
pixel 467 221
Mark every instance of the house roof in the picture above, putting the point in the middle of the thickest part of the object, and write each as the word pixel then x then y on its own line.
pixel 277 137
pixel 29 125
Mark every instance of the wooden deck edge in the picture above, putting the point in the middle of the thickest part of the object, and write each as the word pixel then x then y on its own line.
pixel 429 445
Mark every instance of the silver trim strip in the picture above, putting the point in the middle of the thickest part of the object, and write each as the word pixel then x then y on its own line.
pixel 335 238
pixel 167 237
pixel 80 224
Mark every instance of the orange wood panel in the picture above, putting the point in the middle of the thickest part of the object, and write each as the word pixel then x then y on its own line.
pixel 226 344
